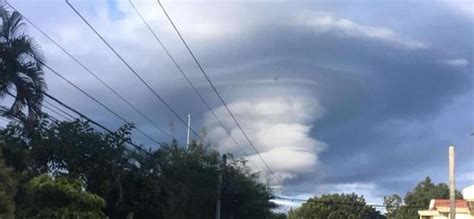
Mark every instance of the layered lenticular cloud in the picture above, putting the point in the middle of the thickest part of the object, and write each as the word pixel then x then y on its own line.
pixel 280 129
pixel 348 28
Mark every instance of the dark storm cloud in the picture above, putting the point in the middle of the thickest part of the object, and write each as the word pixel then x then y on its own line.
pixel 365 84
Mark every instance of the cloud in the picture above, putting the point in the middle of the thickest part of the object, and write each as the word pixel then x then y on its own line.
pixel 348 28
pixel 463 7
pixel 280 130
pixel 457 62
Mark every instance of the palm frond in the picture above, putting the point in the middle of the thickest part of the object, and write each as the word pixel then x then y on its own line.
pixel 4 15
pixel 26 48
pixel 20 66
pixel 20 100
pixel 12 25
pixel 35 76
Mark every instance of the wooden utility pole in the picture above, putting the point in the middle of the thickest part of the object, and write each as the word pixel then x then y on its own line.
pixel 189 127
pixel 452 195
pixel 172 129
pixel 219 187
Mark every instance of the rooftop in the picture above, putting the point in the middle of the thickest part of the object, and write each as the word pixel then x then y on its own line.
pixel 444 203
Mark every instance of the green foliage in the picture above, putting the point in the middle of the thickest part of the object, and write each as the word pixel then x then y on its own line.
pixel 7 188
pixel 278 216
pixel 170 182
pixel 392 203
pixel 417 199
pixel 57 198
pixel 16 151
pixel 188 180
pixel 335 206
pixel 242 197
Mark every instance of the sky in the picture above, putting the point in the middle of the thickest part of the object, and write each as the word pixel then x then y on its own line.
pixel 337 96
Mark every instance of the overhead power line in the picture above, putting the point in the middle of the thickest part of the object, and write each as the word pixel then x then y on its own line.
pixel 330 202
pixel 324 202
pixel 163 101
pixel 92 73
pixel 55 111
pixel 90 120
pixel 15 119
pixel 85 117
pixel 49 115
pixel 203 100
pixel 215 89
pixel 94 99
pixel 60 110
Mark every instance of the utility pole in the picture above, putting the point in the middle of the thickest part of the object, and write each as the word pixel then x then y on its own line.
pixel 452 195
pixel 172 129
pixel 219 187
pixel 189 127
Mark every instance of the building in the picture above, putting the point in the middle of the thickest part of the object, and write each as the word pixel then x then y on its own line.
pixel 439 208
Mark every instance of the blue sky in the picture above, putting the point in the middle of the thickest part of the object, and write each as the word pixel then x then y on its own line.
pixel 338 96
pixel 114 11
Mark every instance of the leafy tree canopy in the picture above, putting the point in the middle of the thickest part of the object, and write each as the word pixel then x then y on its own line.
pixel 154 184
pixel 49 197
pixel 7 188
pixel 417 199
pixel 335 206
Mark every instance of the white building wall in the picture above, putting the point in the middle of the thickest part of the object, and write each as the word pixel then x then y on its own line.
pixel 464 216
pixel 458 216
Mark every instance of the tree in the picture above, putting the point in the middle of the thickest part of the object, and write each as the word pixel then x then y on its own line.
pixel 418 198
pixel 49 197
pixel 242 197
pixel 278 216
pixel 170 182
pixel 21 68
pixel 71 149
pixel 100 160
pixel 7 188
pixel 188 179
pixel 392 203
pixel 335 206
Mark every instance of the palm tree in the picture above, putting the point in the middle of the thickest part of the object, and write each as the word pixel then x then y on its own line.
pixel 20 68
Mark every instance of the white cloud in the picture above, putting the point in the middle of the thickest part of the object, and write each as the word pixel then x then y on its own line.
pixel 196 21
pixel 349 28
pixel 280 130
pixel 457 62
pixel 463 7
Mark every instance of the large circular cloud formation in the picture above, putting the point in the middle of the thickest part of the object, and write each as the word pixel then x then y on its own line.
pixel 279 127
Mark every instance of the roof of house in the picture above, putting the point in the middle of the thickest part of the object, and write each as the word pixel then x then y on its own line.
pixel 444 203
pixel 438 206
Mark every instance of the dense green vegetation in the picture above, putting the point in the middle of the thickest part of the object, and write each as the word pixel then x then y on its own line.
pixel 7 187
pixel 418 198
pixel 170 182
pixel 335 206
pixel 354 206
pixel 60 197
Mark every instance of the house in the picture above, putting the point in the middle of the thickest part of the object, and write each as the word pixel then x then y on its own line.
pixel 439 208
